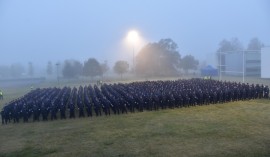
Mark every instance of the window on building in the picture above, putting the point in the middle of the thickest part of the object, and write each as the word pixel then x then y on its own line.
pixel 253 69
pixel 253 61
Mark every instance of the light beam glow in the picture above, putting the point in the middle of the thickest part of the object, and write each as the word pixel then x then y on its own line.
pixel 133 36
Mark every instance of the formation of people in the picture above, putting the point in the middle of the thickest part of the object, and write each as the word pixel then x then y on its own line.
pixel 55 103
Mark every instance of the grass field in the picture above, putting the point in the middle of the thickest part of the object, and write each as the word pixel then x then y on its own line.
pixel 232 129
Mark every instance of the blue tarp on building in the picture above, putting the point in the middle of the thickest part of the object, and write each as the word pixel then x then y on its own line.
pixel 209 71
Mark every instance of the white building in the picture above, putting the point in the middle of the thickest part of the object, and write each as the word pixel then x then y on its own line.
pixel 265 66
pixel 233 63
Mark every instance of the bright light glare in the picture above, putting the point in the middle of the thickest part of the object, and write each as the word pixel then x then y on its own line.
pixel 133 36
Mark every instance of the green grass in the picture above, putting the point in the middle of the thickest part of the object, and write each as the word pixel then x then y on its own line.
pixel 223 130
pixel 233 129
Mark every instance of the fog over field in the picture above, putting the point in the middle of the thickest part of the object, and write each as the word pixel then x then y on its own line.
pixel 37 32
pixel 134 78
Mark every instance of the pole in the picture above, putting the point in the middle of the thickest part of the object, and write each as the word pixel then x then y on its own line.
pixel 133 59
pixel 219 65
pixel 243 66
pixel 57 70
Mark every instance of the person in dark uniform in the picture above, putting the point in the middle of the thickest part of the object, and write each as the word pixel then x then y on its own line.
pixel 6 115
pixel 130 97
pixel 266 92
pixel 71 111
pixel 53 111
pixel 44 112
pixel 81 109
pixel 62 111
pixel 36 113
pixel 16 113
pixel 25 113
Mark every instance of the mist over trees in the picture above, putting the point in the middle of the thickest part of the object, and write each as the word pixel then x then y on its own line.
pixel 156 59
pixel 92 68
pixel 163 59
pixel 121 67
pixel 230 45
pixel 160 58
pixel 72 69
pixel 235 45
pixel 189 63
pixel 255 44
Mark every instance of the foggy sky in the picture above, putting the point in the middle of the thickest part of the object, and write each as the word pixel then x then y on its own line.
pixel 43 30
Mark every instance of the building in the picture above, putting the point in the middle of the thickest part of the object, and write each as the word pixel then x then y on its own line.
pixel 233 63
pixel 265 55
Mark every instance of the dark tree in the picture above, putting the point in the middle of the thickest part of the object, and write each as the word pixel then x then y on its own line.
pixel 72 69
pixel 49 68
pixel 78 67
pixel 226 46
pixel 92 68
pixel 160 58
pixel 255 44
pixel 236 45
pixel 30 69
pixel 189 63
pixel 121 67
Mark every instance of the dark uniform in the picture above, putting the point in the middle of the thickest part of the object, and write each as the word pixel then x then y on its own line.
pixel 125 98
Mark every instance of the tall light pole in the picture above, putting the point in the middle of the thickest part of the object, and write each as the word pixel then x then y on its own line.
pixel 133 38
pixel 57 71
pixel 133 62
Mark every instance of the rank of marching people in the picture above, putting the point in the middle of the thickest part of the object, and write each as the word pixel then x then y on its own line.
pixel 106 99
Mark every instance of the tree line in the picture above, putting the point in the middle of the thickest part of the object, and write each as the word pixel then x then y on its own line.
pixel 69 69
pixel 154 59
pixel 236 45
pixel 90 68
pixel 160 58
